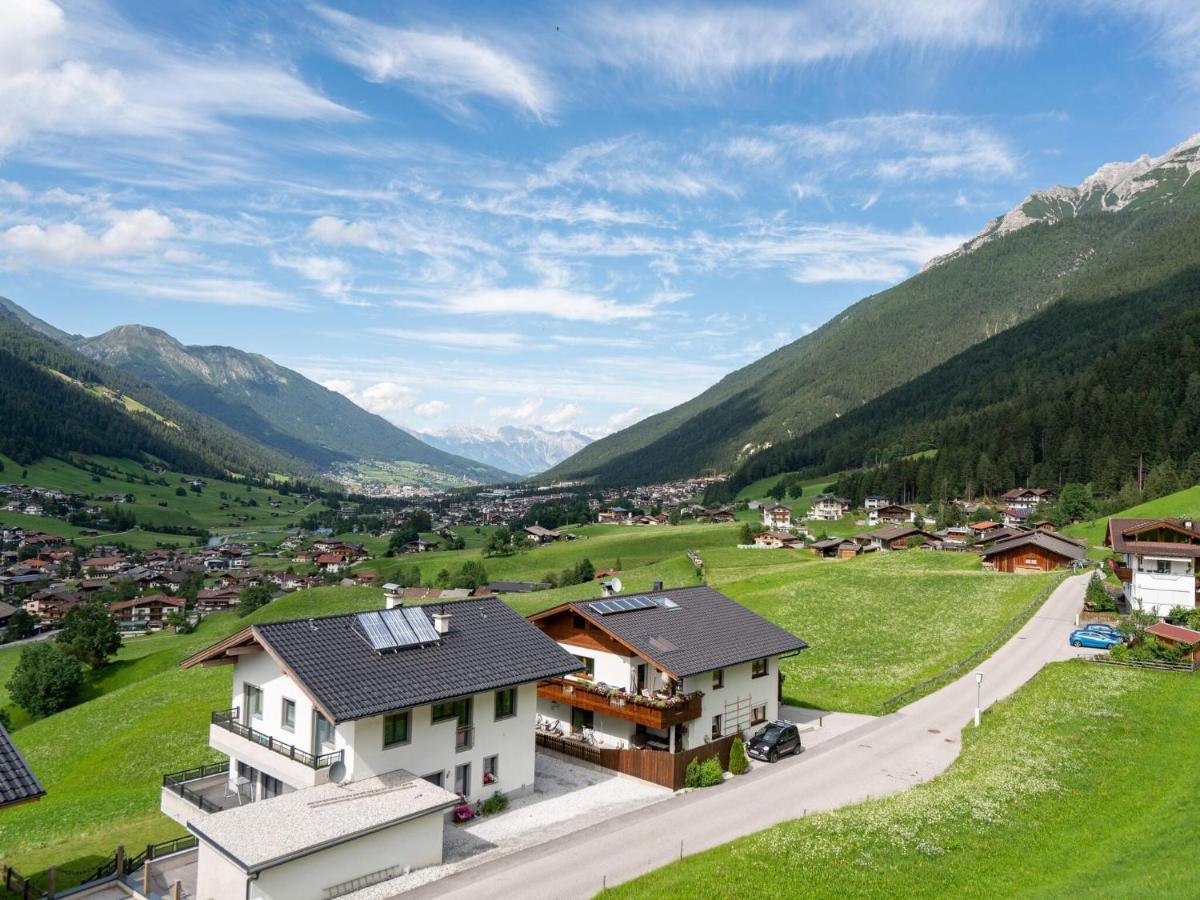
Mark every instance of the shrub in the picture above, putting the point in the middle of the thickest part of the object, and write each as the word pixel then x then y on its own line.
pixel 496 803
pixel 46 680
pixel 691 775
pixel 738 764
pixel 1097 597
pixel 711 772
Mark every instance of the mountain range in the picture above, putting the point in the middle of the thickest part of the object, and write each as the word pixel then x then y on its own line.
pixel 298 425
pixel 524 450
pixel 1128 227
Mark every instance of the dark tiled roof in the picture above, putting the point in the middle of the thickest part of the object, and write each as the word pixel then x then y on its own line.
pixel 708 631
pixel 894 533
pixel 488 646
pixel 1052 543
pixel 17 781
pixel 1121 539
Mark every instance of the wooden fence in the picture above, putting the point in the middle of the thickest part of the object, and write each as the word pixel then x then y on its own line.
pixel 1156 665
pixel 656 766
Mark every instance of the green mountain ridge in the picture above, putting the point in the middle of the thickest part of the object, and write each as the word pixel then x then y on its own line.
pixel 269 403
pixel 998 280
pixel 55 402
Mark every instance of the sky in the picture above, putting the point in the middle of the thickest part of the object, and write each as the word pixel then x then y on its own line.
pixel 564 215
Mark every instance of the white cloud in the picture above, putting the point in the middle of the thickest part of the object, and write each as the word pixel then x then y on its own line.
pixel 562 415
pixel 691 47
pixel 615 422
pixel 329 273
pixel 629 165
pixel 466 339
pixel 339 385
pixel 215 290
pixel 522 413
pixel 332 230
pixel 53 80
pixel 129 232
pixel 559 303
pixel 444 66
pixel 430 409
pixel 386 397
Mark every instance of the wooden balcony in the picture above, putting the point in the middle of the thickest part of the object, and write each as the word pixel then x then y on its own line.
pixel 657 714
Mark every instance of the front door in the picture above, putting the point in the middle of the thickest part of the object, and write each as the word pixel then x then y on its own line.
pixel 641 677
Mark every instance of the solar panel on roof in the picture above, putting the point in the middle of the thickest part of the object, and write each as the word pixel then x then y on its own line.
pixel 420 624
pixel 621 604
pixel 398 626
pixel 665 603
pixel 377 633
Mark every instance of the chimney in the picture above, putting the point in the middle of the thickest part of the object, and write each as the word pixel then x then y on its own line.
pixel 658 586
pixel 392 595
pixel 441 621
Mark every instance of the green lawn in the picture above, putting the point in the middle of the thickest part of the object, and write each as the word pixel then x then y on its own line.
pixel 103 760
pixel 206 509
pixel 1075 786
pixel 1183 503
pixel 879 624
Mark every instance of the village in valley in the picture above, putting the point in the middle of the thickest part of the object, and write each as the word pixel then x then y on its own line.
pixel 610 450
pixel 470 684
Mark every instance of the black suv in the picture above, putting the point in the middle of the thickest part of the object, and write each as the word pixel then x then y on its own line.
pixel 774 740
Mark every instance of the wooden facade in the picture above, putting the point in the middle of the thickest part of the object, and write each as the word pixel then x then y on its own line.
pixel 656 766
pixel 1028 559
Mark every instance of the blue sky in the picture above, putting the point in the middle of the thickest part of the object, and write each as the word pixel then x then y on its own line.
pixel 568 215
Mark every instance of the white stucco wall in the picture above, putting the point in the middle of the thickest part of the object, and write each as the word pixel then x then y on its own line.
pixel 430 748
pixel 1158 592
pixel 738 684
pixel 431 745
pixel 415 844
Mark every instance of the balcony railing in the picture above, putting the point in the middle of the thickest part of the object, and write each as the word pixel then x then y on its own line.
pixel 654 711
pixel 228 719
pixel 177 783
pixel 464 738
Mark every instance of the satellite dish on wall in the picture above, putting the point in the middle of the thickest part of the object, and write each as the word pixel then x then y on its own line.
pixel 616 585
pixel 337 772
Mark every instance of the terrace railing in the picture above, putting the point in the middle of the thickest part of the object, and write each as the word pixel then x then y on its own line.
pixel 177 784
pixel 228 719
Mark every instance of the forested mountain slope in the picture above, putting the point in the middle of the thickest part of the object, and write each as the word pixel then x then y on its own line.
pixel 1067 244
pixel 54 401
pixel 268 403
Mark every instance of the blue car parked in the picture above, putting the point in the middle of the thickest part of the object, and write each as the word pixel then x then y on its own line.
pixel 1084 637
pixel 1104 628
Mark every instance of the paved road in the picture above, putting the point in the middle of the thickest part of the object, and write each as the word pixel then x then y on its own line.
pixel 886 755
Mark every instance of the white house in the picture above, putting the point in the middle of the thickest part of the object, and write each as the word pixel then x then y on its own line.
pixel 330 714
pixel 777 515
pixel 1160 561
pixel 874 501
pixel 669 670
pixel 891 514
pixel 829 508
pixel 1026 499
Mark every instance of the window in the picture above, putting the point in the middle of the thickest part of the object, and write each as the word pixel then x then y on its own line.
pixel 491 769
pixel 254 701
pixel 718 678
pixel 1164 567
pixel 581 718
pixel 758 668
pixel 288 716
pixel 578 622
pixel 322 730
pixel 395 729
pixel 270 787
pixel 453 709
pixel 758 714
pixel 589 665
pixel 435 778
pixel 506 703
pixel 462 780
pixel 716 727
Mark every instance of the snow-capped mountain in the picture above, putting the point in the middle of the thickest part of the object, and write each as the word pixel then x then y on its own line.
pixel 524 450
pixel 1113 187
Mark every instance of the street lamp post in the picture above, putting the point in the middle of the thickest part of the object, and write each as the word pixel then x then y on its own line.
pixel 978 694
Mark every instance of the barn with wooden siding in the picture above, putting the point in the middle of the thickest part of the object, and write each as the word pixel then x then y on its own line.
pixel 1037 551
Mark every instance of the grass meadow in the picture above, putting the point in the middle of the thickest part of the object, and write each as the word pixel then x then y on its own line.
pixel 1073 787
